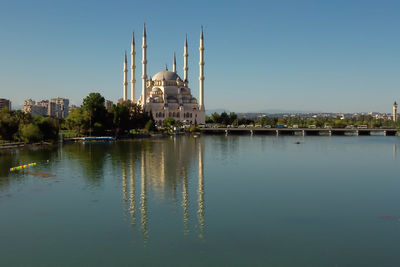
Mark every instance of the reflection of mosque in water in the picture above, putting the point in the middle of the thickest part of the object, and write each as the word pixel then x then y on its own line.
pixel 164 168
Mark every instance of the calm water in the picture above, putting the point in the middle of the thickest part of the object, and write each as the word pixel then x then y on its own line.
pixel 212 200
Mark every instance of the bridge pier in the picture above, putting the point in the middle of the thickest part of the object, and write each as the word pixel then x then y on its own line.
pixel 226 132
pixel 303 132
pixel 251 132
pixel 384 133
pixel 330 133
pixel 357 132
pixel 277 132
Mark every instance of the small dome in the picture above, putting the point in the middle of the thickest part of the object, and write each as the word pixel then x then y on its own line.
pixel 155 89
pixel 167 75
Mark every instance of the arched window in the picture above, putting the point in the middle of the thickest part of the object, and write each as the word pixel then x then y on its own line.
pixel 177 115
pixel 190 115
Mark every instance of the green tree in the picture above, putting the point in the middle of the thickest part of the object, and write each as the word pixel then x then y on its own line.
pixel 121 118
pixel 232 117
pixel 77 120
pixel 215 117
pixel 224 118
pixel 8 125
pixel 150 126
pixel 48 127
pixel 31 133
pixel 93 104
pixel 208 119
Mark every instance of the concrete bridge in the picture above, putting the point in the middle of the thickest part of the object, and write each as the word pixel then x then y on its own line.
pixel 299 131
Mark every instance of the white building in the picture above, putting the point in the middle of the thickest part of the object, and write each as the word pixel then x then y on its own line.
pixel 30 107
pixel 166 94
pixel 56 107
pixel 60 108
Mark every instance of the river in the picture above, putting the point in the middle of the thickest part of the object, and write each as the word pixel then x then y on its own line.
pixel 205 201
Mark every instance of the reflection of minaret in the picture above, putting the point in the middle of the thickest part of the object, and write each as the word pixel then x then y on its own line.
pixel 200 211
pixel 394 151
pixel 143 200
pixel 124 191
pixel 185 203
pixel 132 191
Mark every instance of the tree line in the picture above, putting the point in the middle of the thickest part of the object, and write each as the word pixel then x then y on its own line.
pixel 19 126
pixel 92 118
pixel 320 122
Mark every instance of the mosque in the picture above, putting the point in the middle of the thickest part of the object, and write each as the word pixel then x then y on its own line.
pixel 166 94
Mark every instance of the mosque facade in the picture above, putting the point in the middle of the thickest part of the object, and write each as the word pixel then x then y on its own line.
pixel 166 94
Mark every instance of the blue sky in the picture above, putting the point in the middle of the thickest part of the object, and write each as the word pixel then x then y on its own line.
pixel 333 56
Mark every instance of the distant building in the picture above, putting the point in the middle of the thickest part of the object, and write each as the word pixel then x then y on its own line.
pixel 108 104
pixel 56 107
pixel 30 107
pixel 5 103
pixel 61 107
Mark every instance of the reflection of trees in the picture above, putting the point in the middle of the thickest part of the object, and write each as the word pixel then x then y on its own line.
pixel 92 159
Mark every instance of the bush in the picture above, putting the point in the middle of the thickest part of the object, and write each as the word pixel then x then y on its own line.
pixel 193 129
pixel 8 125
pixel 31 133
pixel 150 126
pixel 48 127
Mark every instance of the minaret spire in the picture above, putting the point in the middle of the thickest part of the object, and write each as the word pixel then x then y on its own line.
pixel 133 69
pixel 395 111
pixel 125 83
pixel 174 64
pixel 185 61
pixel 201 77
pixel 144 65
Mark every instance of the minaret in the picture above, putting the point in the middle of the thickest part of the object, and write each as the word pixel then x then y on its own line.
pixel 201 77
pixel 395 111
pixel 133 68
pixel 144 64
pixel 125 78
pixel 174 64
pixel 185 61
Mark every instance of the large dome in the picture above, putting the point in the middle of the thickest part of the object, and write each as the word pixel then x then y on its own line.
pixel 167 75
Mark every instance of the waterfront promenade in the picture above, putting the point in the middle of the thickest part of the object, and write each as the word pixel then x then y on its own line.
pixel 300 131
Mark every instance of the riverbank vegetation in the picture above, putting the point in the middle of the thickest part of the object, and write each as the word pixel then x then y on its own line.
pixel 232 119
pixel 90 119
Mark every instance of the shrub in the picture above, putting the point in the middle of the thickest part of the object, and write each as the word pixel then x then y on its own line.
pixel 31 133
